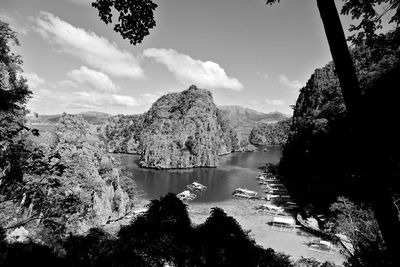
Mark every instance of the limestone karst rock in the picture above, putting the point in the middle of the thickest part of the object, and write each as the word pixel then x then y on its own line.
pixel 185 130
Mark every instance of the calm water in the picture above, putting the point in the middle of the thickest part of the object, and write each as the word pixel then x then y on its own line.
pixel 234 170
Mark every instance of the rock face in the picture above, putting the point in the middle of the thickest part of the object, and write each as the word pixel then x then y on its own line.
pixel 121 133
pixel 270 133
pixel 315 158
pixel 185 130
pixel 91 176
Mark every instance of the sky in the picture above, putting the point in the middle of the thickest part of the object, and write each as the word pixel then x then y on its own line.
pixel 245 52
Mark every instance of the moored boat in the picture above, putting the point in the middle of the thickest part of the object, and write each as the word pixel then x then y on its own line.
pixel 186 195
pixel 244 193
pixel 270 208
pixel 195 186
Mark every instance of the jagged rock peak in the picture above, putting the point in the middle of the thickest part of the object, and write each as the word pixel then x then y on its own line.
pixel 185 130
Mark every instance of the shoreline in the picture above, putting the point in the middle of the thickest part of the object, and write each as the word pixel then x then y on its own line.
pixel 292 243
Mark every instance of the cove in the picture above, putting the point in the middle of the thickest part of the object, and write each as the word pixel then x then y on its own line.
pixel 234 170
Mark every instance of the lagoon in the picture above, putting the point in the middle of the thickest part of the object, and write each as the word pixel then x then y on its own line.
pixel 235 170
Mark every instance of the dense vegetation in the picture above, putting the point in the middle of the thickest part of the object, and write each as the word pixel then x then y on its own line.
pixel 315 150
pixel 122 133
pixel 50 190
pixel 315 159
pixel 162 236
pixel 270 133
pixel 65 187
pixel 184 130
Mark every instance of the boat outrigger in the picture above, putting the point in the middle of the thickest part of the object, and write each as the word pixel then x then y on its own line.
pixel 270 209
pixel 195 186
pixel 244 193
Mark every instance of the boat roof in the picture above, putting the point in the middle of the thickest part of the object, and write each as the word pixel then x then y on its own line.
pixel 246 190
pixel 284 220
pixel 197 184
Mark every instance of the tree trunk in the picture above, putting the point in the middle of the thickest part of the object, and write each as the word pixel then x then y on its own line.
pixel 375 173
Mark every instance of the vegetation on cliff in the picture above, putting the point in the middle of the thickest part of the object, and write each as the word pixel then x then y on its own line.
pixel 164 235
pixel 185 130
pixel 121 133
pixel 270 133
pixel 65 187
pixel 315 159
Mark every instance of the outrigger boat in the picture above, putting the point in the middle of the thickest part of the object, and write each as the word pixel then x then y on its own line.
pixel 195 186
pixel 270 196
pixel 186 195
pixel 244 193
pixel 261 177
pixel 270 208
pixel 266 186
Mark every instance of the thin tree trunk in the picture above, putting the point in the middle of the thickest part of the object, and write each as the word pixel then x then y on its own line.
pixel 371 164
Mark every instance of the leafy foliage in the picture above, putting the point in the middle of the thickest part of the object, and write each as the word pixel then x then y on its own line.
pixel 313 158
pixel 163 235
pixel 121 133
pixel 13 89
pixel 135 17
pixel 370 14
pixel 358 223
pixel 271 133
pixel 68 186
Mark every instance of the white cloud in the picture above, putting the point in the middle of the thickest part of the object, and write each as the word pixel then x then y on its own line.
pixel 275 102
pixel 292 84
pixel 54 101
pixel 206 74
pixel 33 80
pixel 96 51
pixel 96 79
pixel 124 100
pixel 67 84
pixel 95 100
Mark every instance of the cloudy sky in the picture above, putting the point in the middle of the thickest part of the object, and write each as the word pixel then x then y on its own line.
pixel 245 52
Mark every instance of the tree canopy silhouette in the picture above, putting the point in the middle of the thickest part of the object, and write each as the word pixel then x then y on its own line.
pixel 135 17
pixel 358 112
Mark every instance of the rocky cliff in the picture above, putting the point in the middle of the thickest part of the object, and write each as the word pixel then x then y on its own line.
pixel 316 157
pixel 185 130
pixel 121 133
pixel 91 178
pixel 270 133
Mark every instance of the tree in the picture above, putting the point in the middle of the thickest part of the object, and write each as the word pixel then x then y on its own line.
pixel 369 18
pixel 135 17
pixel 13 89
pixel 386 212
pixel 357 222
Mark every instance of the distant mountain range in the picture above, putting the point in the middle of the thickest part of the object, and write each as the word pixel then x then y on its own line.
pixel 245 119
pixel 241 118
pixel 92 117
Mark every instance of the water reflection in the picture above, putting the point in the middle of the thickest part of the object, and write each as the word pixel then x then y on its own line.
pixel 235 170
